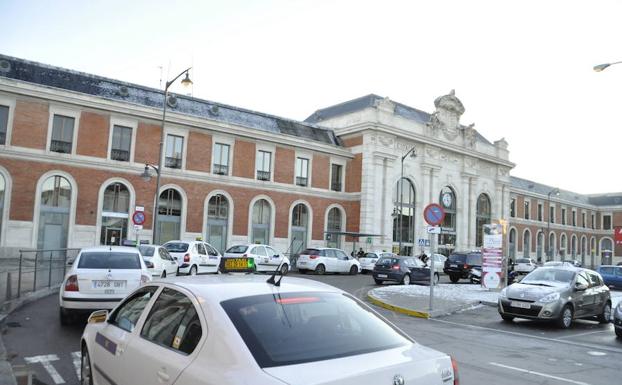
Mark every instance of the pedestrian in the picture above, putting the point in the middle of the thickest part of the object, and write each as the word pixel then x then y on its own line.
pixel 361 253
pixel 424 258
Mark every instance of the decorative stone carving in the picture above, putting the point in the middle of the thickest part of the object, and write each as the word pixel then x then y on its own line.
pixel 501 143
pixel 470 163
pixel 446 118
pixel 386 141
pixel 470 135
pixel 432 152
pixel 385 105
pixel 502 171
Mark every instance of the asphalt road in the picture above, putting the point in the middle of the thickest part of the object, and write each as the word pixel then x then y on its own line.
pixel 487 349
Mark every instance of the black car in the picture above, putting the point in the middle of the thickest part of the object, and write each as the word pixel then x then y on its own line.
pixel 458 265
pixel 404 270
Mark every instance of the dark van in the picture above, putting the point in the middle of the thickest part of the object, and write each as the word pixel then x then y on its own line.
pixel 459 264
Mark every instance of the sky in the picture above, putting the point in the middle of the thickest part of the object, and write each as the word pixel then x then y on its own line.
pixel 522 68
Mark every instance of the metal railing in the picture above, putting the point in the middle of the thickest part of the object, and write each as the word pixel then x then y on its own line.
pixel 263 175
pixel 221 169
pixel 33 271
pixel 121 155
pixel 60 146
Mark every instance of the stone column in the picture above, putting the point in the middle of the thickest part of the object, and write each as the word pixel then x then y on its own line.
pixel 472 211
pixel 462 229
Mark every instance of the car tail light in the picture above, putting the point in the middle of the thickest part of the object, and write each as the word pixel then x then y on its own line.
pixel 144 279
pixel 395 267
pixel 454 366
pixel 72 283
pixel 313 256
pixel 466 266
pixel 187 258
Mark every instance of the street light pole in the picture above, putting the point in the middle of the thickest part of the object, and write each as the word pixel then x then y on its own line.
pixel 548 224
pixel 401 185
pixel 602 67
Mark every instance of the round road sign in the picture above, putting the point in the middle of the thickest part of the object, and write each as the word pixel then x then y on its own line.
pixel 138 217
pixel 434 214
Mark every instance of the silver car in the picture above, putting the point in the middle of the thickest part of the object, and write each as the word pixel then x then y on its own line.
pixel 558 294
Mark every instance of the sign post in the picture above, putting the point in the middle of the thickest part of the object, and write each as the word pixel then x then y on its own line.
pixel 434 214
pixel 492 259
pixel 139 219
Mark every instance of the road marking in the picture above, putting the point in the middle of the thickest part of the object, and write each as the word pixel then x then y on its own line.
pixel 538 374
pixel 586 333
pixel 77 356
pixel 45 361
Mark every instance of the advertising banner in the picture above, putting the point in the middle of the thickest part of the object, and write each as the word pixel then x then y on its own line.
pixel 492 256
pixel 618 236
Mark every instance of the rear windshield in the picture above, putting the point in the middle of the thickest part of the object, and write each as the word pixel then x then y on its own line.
pixel 109 260
pixel 474 259
pixel 370 255
pixel 176 247
pixel 606 270
pixel 312 252
pixel 384 261
pixel 296 328
pixel 522 260
pixel 238 249
pixel 460 258
pixel 146 251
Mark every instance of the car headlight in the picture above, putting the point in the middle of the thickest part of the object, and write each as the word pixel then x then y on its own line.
pixel 549 298
pixel 619 310
pixel 503 293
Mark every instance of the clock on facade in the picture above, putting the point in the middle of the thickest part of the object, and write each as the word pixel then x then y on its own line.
pixel 447 199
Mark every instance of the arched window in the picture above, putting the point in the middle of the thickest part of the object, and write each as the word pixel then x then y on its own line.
pixel 260 232
pixel 483 217
pixel 539 245
pixel 563 246
pixel 115 214
pixel 606 244
pixel 583 250
pixel 447 240
pixel 404 216
pixel 169 216
pixel 551 248
pixel 2 194
pixel 299 230
pixel 334 225
pixel 512 243
pixel 217 222
pixel 54 213
pixel 526 243
pixel 573 246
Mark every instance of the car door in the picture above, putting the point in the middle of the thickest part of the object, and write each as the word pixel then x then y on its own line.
pixel 343 261
pixel 213 257
pixel 330 260
pixel 597 292
pixel 418 271
pixel 617 277
pixel 583 300
pixel 108 352
pixel 274 257
pixel 169 264
pixel 170 338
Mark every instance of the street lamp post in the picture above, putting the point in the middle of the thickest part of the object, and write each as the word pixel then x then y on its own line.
pixel 146 175
pixel 412 154
pixel 602 67
pixel 555 192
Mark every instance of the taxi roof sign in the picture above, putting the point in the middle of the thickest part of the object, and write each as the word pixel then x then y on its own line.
pixel 237 265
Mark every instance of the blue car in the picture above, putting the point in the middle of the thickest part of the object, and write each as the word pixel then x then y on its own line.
pixel 612 275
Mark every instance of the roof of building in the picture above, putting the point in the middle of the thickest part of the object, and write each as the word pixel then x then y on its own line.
pixel 371 100
pixel 612 199
pixel 61 78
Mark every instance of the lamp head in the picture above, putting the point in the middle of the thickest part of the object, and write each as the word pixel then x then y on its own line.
pixel 186 82
pixel 601 67
pixel 146 175
pixel 413 152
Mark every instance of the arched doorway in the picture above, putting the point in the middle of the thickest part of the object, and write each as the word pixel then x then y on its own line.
pixel 299 228
pixel 539 245
pixel 260 231
pixel 115 214
pixel 483 217
pixel 512 244
pixel 334 225
pixel 54 211
pixel 217 222
pixel 169 216
pixel 404 216
pixel 526 243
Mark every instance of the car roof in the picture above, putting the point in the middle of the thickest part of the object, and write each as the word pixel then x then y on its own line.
pixel 249 245
pixel 122 249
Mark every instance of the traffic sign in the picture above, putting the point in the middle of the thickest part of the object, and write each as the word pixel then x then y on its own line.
pixel 434 230
pixel 424 242
pixel 434 214
pixel 138 217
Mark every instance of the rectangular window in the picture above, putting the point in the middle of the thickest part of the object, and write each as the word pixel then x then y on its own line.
pixel 574 218
pixel 606 222
pixel 4 123
pixel 540 212
pixel 513 208
pixel 221 159
pixel 263 165
pixel 563 216
pixel 121 143
pixel 593 221
pixel 552 214
pixel 526 209
pixel 62 134
pixel 583 220
pixel 335 181
pixel 174 151
pixel 302 171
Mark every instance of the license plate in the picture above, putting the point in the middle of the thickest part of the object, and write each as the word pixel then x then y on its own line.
pixel 382 275
pixel 522 305
pixel 236 263
pixel 109 284
pixel 302 263
pixel 453 265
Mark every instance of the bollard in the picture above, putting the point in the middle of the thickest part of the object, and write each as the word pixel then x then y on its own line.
pixel 8 286
pixel 34 281
pixel 19 276
pixel 50 271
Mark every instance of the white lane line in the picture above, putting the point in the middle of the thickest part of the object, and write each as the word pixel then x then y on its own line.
pixel 586 334
pixel 45 361
pixel 539 374
pixel 77 356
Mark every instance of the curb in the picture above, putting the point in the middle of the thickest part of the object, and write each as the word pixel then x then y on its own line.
pixel 426 314
pixel 403 310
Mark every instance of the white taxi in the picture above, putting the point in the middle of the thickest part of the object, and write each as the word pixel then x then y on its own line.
pixel 99 278
pixel 244 329
pixel 265 257
pixel 327 260
pixel 194 257
pixel 368 261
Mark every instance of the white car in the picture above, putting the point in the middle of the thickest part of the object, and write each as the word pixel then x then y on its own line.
pixel 524 265
pixel 327 260
pixel 265 257
pixel 368 261
pixel 99 278
pixel 194 257
pixel 439 262
pixel 158 260
pixel 239 329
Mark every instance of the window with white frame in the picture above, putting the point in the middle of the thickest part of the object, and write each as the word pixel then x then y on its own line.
pixel 174 151
pixel 4 123
pixel 263 164
pixel 574 217
pixel 540 212
pixel 606 222
pixel 121 143
pixel 563 216
pixel 526 209
pixel 583 223
pixel 593 221
pixel 552 214
pixel 62 134
pixel 221 159
pixel 335 177
pixel 302 171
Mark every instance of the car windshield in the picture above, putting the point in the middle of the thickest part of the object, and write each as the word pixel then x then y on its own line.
pixel 551 275
pixel 294 328
pixel 146 251
pixel 522 260
pixel 474 259
pixel 109 260
pixel 370 255
pixel 311 252
pixel 384 261
pixel 237 249
pixel 176 247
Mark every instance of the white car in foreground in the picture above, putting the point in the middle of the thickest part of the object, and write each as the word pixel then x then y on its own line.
pixel 240 329
pixel 158 260
pixel 327 260
pixel 99 278
pixel 266 258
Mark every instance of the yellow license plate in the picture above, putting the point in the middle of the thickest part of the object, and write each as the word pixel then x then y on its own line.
pixel 236 263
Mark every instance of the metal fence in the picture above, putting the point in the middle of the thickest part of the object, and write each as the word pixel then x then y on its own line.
pixel 32 271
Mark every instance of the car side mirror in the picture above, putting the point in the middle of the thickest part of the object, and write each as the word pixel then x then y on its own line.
pixel 70 262
pixel 276 256
pixel 98 316
pixel 580 286
pixel 175 258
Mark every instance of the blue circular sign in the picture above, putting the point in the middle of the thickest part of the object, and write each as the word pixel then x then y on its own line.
pixel 434 214
pixel 138 218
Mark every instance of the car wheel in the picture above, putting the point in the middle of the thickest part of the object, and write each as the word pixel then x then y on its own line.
pixel 284 269
pixel 406 279
pixel 302 271
pixel 193 270
pixel 163 274
pixel 619 333
pixel 65 316
pixel 436 278
pixel 454 278
pixel 565 317
pixel 354 270
pixel 507 318
pixel 605 316
pixel 86 377
pixel 378 281
pixel 320 269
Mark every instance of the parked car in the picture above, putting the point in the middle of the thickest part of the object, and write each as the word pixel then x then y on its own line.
pixel 612 275
pixel 404 270
pixel 194 257
pixel 99 278
pixel 525 265
pixel 158 261
pixel 327 260
pixel 562 263
pixel 617 320
pixel 265 257
pixel 171 332
pixel 459 264
pixel 559 294
pixel 369 260
pixel 439 262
